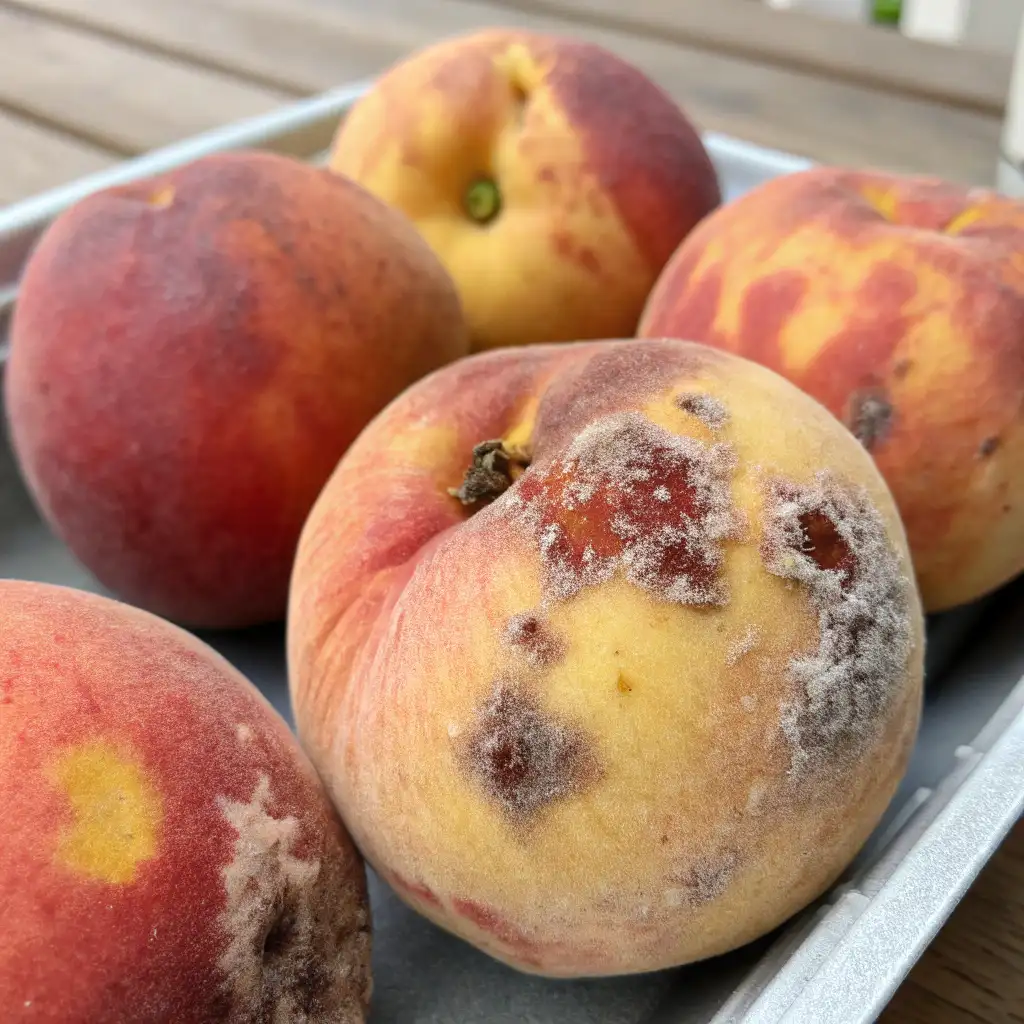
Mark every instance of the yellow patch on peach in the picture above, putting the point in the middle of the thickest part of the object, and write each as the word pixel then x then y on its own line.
pixel 117 812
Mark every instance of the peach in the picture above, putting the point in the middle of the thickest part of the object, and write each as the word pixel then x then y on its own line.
pixel 609 654
pixel 898 303
pixel 552 178
pixel 191 355
pixel 169 852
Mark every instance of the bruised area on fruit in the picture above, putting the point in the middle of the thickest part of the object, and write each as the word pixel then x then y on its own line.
pixel 897 302
pixel 522 757
pixel 831 541
pixel 190 358
pixel 167 841
pixel 285 956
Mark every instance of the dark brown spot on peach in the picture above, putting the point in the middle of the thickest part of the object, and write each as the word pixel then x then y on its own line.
pixel 988 446
pixel 531 635
pixel 547 175
pixel 870 416
pixel 522 756
pixel 822 542
pixel 901 368
pixel 711 411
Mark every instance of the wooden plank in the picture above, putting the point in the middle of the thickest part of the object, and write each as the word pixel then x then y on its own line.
pixel 972 972
pixel 861 53
pixel 258 42
pixel 303 42
pixel 110 95
pixel 35 159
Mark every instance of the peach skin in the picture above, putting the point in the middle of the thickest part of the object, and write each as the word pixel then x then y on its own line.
pixel 898 303
pixel 609 654
pixel 169 854
pixel 190 357
pixel 552 178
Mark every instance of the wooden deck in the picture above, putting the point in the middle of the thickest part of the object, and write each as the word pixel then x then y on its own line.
pixel 86 83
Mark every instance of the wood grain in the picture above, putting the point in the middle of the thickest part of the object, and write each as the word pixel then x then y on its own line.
pixel 35 159
pixel 112 96
pixel 298 51
pixel 306 43
pixel 973 973
pixel 864 54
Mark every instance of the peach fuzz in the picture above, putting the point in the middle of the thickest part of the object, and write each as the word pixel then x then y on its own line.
pixel 169 852
pixel 608 653
pixel 552 178
pixel 191 355
pixel 898 303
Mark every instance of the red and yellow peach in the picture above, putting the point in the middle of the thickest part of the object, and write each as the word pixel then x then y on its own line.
pixel 608 653
pixel 551 177
pixel 190 356
pixel 169 853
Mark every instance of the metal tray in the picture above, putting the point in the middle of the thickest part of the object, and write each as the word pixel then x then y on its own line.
pixel 841 959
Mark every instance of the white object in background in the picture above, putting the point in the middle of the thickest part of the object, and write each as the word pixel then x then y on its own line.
pixel 936 21
pixel 987 24
pixel 1009 176
pixel 845 10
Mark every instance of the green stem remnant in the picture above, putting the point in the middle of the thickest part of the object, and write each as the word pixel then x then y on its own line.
pixel 489 474
pixel 482 200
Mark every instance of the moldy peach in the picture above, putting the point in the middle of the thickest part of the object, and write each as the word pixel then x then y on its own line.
pixel 169 853
pixel 609 654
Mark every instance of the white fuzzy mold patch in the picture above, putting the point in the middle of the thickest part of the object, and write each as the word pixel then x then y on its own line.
pixel 629 496
pixel 293 954
pixel 830 539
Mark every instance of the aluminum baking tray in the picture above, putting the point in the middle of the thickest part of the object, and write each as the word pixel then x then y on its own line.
pixel 836 963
